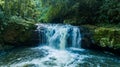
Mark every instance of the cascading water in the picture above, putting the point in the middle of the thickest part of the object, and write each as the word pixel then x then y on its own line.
pixel 59 36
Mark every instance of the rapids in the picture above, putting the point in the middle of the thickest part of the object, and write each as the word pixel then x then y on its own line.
pixel 59 46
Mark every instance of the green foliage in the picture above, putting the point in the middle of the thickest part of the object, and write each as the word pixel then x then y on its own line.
pixel 24 8
pixel 17 30
pixel 1 21
pixel 17 14
pixel 17 11
pixel 1 15
pixel 88 10
pixel 52 9
pixel 110 11
pixel 81 11
pixel 107 37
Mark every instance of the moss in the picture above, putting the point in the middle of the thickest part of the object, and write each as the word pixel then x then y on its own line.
pixel 107 37
pixel 18 31
pixel 70 21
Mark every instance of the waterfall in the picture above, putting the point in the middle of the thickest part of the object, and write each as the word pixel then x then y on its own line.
pixel 59 36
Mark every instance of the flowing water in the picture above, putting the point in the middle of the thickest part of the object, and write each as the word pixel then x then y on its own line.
pixel 59 36
pixel 59 46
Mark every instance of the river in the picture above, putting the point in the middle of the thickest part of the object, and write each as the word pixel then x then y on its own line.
pixel 59 46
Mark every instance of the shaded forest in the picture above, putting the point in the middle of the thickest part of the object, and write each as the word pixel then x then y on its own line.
pixel 79 11
pixel 21 16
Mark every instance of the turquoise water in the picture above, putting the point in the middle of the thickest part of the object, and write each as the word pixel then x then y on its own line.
pixel 61 48
pixel 44 56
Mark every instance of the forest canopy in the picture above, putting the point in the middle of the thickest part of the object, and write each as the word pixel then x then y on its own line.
pixel 67 11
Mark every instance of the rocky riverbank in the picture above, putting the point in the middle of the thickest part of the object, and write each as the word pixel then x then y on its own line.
pixel 18 34
pixel 103 38
pixel 93 37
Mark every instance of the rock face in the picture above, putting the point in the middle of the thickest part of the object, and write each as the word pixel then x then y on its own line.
pixel 17 34
pixel 108 39
pixel 101 38
pixel 87 40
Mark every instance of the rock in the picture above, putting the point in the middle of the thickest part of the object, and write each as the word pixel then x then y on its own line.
pixel 30 65
pixel 5 47
pixel 20 34
pixel 107 37
pixel 86 37
pixel 101 38
pixel 52 58
pixel 50 63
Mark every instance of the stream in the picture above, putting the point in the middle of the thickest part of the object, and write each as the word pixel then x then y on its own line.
pixel 59 46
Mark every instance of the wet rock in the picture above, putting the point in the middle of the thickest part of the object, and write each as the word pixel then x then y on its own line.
pixel 53 58
pixel 85 64
pixel 107 37
pixel 20 34
pixel 30 65
pixel 50 63
pixel 101 38
pixel 86 37
pixel 5 47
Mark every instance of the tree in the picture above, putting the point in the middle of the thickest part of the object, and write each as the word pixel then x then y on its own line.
pixel 110 11
pixel 82 11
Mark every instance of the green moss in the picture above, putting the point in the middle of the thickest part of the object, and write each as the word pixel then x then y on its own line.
pixel 18 30
pixel 107 37
pixel 70 21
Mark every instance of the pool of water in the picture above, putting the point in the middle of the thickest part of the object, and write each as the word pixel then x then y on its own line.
pixel 44 56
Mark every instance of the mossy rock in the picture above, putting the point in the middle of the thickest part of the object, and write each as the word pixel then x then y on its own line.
pixel 16 33
pixel 107 37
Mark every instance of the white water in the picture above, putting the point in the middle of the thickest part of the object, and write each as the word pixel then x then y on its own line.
pixel 56 58
pixel 60 36
pixel 59 47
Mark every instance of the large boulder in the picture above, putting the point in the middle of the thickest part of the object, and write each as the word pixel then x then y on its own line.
pixel 101 38
pixel 107 37
pixel 20 33
pixel 87 40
